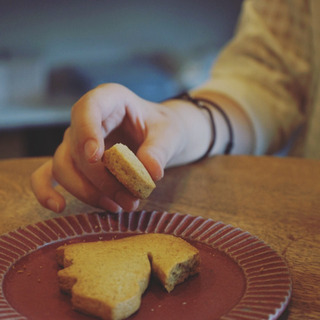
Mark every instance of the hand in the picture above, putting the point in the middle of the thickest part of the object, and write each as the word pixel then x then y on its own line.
pixel 106 115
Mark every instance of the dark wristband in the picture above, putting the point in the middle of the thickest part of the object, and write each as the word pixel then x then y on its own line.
pixel 202 103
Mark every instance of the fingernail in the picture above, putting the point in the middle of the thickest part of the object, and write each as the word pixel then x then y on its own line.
pixel 107 204
pixel 155 166
pixel 90 150
pixel 53 205
pixel 159 174
pixel 135 205
pixel 127 202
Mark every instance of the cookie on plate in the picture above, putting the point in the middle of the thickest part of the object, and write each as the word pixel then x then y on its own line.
pixel 107 278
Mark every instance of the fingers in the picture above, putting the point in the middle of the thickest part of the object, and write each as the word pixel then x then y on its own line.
pixel 151 160
pixel 96 187
pixel 93 117
pixel 76 165
pixel 86 131
pixel 44 178
pixel 42 185
pixel 163 141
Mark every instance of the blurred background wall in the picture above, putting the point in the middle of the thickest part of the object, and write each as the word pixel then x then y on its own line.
pixel 52 52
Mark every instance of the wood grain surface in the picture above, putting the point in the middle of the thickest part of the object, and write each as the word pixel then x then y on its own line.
pixel 275 199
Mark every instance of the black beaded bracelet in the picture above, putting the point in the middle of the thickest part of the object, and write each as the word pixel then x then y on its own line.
pixel 202 104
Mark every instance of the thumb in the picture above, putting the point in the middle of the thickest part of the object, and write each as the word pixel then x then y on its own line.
pixel 157 150
pixel 152 160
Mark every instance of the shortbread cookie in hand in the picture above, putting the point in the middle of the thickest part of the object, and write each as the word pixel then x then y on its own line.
pixel 107 278
pixel 129 170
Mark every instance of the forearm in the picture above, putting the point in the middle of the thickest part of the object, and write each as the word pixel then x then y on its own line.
pixel 267 69
pixel 243 132
pixel 198 131
pixel 193 126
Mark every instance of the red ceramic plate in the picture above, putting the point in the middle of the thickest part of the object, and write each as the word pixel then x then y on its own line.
pixel 240 277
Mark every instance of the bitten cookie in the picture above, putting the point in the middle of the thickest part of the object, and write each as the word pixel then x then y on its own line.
pixel 129 170
pixel 107 278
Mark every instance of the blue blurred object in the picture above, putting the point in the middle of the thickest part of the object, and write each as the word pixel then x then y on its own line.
pixel 143 75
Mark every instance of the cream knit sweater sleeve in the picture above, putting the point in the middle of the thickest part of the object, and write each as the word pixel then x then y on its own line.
pixel 266 68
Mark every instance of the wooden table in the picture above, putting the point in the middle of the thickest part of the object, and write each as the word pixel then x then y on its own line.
pixel 275 199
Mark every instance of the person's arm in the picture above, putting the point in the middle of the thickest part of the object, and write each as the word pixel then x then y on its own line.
pixel 258 84
pixel 200 136
pixel 162 135
pixel 267 69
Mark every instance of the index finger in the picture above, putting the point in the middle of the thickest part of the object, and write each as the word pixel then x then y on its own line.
pixel 93 117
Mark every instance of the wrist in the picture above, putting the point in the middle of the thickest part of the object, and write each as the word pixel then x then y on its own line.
pixel 194 128
pixel 239 126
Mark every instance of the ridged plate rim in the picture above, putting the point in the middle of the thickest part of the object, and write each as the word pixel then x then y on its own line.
pixel 267 274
